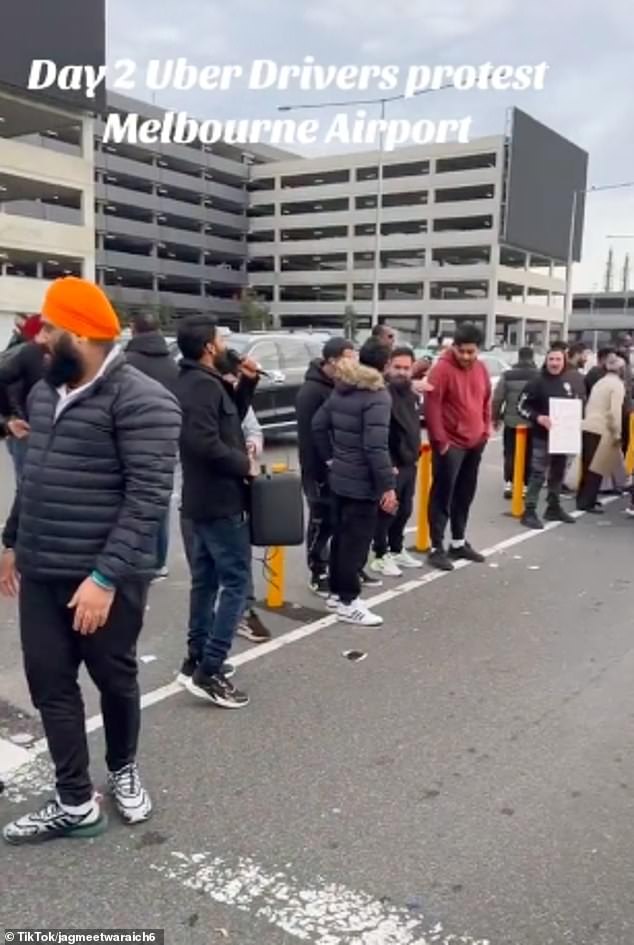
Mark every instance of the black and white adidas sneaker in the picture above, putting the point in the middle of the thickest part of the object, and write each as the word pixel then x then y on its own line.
pixel 52 821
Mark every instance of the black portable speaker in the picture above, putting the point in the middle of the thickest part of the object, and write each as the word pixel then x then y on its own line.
pixel 277 510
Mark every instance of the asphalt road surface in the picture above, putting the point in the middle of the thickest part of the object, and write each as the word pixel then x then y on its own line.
pixel 470 780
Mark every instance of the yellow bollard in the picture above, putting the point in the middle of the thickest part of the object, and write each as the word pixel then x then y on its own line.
pixel 519 470
pixel 276 563
pixel 423 539
pixel 629 456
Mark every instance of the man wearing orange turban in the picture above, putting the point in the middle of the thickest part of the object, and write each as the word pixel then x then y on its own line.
pixel 81 308
pixel 80 550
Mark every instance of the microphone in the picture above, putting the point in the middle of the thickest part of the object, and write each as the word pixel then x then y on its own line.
pixel 235 359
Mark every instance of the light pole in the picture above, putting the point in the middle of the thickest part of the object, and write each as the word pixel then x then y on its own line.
pixel 379 185
pixel 571 242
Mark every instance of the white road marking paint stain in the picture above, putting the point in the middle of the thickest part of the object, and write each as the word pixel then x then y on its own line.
pixel 12 756
pixel 31 779
pixel 322 914
pixel 293 636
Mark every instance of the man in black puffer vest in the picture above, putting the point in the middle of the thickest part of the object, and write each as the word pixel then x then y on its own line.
pixel 351 433
pixel 405 426
pixel 80 546
pixel 506 396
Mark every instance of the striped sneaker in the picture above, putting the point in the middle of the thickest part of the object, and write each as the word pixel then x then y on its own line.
pixel 53 821
pixel 357 613
pixel 131 799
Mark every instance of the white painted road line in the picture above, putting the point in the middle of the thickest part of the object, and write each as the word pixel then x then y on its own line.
pixel 300 633
pixel 323 913
pixel 12 757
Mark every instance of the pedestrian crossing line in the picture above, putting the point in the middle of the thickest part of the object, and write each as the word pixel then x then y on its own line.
pixel 321 913
pixel 301 633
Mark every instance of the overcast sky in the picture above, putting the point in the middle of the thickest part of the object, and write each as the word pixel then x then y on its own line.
pixel 588 94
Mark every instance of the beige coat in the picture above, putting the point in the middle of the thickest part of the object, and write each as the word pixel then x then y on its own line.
pixel 604 417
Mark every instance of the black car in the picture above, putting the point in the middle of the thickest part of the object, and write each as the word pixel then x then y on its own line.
pixel 284 357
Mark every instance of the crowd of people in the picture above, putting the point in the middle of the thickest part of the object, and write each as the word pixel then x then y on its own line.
pixel 96 431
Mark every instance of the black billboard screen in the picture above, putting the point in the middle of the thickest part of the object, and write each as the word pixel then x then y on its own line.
pixel 68 32
pixel 545 171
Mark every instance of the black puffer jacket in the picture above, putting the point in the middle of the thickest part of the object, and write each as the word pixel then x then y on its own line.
pixel 352 429
pixel 315 390
pixel 508 391
pixel 97 479
pixel 149 353
pixel 20 370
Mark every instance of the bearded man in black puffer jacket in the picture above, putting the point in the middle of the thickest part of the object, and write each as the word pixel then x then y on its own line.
pixel 80 548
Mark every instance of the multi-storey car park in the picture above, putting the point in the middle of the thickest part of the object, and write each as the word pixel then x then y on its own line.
pixel 602 318
pixel 163 227
pixel 47 201
pixel 187 228
pixel 313 243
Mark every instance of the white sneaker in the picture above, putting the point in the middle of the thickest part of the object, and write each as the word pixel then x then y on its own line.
pixel 332 602
pixel 358 613
pixel 630 512
pixel 405 560
pixel 386 566
pixel 132 800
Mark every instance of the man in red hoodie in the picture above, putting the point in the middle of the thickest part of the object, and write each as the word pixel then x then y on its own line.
pixel 458 415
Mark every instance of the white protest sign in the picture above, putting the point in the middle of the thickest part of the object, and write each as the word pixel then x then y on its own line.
pixel 565 432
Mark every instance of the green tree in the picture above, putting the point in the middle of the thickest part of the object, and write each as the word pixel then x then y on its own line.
pixel 255 314
pixel 350 322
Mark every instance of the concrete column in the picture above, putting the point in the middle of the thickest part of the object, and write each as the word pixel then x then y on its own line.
pixel 547 335
pixel 489 329
pixel 521 332
pixel 88 192
pixel 39 270
pixel 489 326
pixel 425 331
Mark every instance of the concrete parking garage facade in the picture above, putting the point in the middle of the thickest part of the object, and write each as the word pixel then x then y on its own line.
pixel 47 200
pixel 186 229
pixel 312 244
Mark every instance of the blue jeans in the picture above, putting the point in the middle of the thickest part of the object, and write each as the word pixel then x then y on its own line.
pixel 221 567
pixel 17 451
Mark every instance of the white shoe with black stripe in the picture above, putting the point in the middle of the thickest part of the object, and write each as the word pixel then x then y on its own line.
pixel 357 613
pixel 53 821
pixel 131 799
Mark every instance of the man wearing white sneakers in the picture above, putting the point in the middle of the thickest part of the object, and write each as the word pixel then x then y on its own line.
pixel 80 551
pixel 351 433
pixel 391 558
